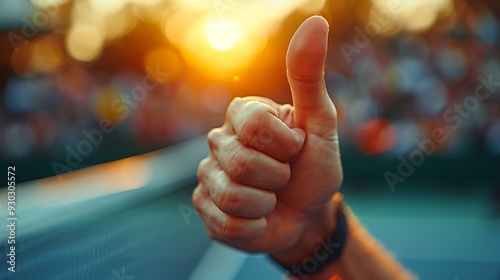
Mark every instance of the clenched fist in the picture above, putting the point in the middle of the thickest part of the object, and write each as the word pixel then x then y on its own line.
pixel 268 182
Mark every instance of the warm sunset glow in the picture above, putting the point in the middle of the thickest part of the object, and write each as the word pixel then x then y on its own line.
pixel 220 38
pixel 223 34
pixel 394 15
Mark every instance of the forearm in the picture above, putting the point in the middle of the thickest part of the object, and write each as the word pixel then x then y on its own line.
pixel 363 257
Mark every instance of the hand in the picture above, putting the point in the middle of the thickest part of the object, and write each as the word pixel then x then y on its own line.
pixel 272 170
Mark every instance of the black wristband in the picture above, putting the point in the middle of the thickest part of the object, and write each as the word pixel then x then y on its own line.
pixel 328 250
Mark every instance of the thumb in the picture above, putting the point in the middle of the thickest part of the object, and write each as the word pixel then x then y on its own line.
pixel 305 62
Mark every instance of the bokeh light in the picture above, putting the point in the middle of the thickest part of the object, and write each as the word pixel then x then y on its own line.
pixel 403 13
pixel 222 34
pixel 84 41
pixel 418 59
pixel 376 137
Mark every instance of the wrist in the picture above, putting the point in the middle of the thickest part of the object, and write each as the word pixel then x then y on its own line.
pixel 314 232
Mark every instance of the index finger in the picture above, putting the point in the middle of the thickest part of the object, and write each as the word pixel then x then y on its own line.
pixel 258 125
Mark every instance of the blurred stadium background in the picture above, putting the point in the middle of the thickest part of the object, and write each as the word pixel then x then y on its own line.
pixel 396 71
pixel 67 65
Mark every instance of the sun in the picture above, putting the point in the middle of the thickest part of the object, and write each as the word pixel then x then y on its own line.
pixel 222 34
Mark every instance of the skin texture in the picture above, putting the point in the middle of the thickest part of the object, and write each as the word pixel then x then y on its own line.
pixel 272 169
pixel 270 181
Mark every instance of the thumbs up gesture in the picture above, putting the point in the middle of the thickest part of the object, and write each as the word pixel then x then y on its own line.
pixel 268 182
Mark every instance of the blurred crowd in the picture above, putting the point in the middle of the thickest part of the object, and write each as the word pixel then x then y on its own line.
pixel 393 90
pixel 398 89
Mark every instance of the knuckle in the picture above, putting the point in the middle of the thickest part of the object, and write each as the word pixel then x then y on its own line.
pixel 232 229
pixel 197 198
pixel 236 104
pixel 252 124
pixel 227 200
pixel 269 203
pixel 264 137
pixel 213 138
pixel 283 175
pixel 306 79
pixel 239 164
pixel 202 168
